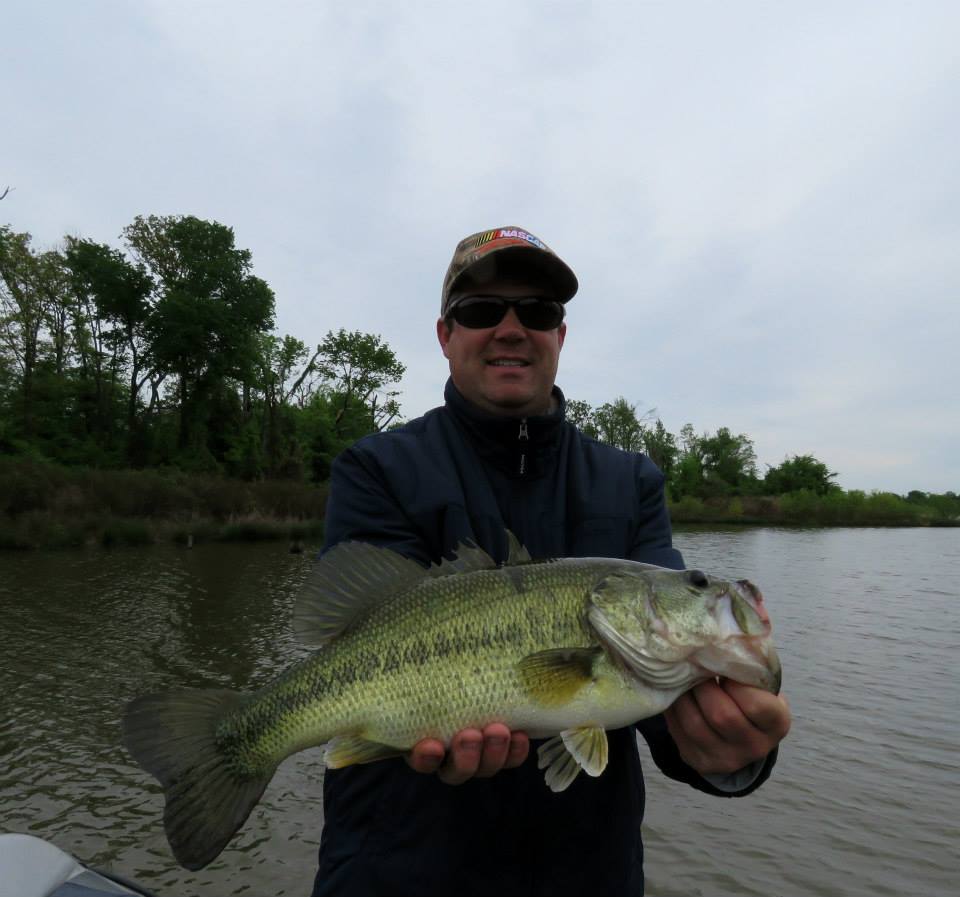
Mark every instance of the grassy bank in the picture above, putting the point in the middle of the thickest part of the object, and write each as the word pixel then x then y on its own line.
pixel 47 506
pixel 852 508
pixel 44 505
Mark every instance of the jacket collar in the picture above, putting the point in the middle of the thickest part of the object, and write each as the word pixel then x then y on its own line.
pixel 520 447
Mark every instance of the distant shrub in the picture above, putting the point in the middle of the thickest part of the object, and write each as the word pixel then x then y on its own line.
pixel 45 505
pixel 688 508
pixel 126 532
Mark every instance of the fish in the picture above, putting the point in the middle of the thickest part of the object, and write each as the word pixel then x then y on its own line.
pixel 563 649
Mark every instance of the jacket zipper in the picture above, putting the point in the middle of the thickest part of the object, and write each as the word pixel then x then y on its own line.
pixel 524 434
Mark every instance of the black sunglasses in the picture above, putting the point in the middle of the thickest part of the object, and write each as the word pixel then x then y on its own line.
pixel 533 312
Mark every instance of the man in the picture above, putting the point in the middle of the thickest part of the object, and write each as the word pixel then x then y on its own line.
pixel 498 455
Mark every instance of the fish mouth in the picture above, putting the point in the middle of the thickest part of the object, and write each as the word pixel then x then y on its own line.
pixel 747 661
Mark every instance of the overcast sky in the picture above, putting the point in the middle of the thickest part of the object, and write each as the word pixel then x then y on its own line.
pixel 761 200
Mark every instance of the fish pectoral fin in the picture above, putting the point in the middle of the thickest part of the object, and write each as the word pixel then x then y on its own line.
pixel 564 755
pixel 588 745
pixel 552 678
pixel 345 750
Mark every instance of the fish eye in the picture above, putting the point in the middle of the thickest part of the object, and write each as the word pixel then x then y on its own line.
pixel 697 578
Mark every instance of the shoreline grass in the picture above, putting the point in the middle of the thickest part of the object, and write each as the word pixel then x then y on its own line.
pixel 44 505
pixel 846 509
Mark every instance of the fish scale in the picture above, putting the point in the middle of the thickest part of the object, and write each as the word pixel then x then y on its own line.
pixel 439 658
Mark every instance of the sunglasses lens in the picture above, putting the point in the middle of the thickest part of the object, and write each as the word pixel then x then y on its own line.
pixel 539 314
pixel 482 312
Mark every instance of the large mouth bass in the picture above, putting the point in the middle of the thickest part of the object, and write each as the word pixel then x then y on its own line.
pixel 565 648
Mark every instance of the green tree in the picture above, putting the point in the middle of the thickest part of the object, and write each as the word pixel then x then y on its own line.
pixel 22 316
pixel 208 315
pixel 359 368
pixel 281 374
pixel 661 446
pixel 729 463
pixel 112 308
pixel 800 472
pixel 617 424
pixel 688 475
pixel 580 414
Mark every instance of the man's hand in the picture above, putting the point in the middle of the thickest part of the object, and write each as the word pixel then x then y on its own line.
pixel 722 727
pixel 472 754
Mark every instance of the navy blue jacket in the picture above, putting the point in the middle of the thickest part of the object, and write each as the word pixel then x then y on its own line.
pixel 457 474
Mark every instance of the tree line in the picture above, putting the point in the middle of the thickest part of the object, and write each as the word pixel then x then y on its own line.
pixel 163 352
pixel 703 465
pixel 719 471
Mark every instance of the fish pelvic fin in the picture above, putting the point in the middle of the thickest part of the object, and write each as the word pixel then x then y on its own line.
pixel 172 735
pixel 564 755
pixel 553 678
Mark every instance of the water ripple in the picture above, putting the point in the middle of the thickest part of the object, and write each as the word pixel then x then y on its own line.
pixel 861 802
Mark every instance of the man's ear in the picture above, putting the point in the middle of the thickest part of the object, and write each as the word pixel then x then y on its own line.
pixel 443 335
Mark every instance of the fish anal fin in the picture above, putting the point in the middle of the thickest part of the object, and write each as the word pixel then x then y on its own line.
pixel 553 678
pixel 559 763
pixel 346 750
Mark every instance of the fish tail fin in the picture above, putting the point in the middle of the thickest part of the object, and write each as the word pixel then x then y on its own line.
pixel 172 735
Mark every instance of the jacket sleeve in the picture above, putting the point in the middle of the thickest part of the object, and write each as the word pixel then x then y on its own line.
pixel 362 507
pixel 652 539
pixel 653 544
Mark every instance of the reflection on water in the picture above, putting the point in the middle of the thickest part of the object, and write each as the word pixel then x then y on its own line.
pixel 861 801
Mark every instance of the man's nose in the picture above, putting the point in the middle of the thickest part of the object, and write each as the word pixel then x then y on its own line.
pixel 510 327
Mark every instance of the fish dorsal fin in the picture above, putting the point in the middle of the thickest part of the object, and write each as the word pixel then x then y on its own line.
pixel 469 557
pixel 347 581
pixel 516 553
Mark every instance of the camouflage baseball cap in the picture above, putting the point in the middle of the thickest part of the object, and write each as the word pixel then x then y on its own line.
pixel 505 252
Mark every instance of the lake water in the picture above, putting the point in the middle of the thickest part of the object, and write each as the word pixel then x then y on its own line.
pixel 864 800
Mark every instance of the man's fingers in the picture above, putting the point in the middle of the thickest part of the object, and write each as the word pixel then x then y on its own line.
pixel 496 748
pixel 472 754
pixel 769 713
pixel 722 727
pixel 687 725
pixel 426 756
pixel 463 758
pixel 519 748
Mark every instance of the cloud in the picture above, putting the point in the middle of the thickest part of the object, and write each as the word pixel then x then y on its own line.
pixel 760 201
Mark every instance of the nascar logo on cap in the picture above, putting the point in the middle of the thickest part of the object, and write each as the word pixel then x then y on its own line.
pixel 508 234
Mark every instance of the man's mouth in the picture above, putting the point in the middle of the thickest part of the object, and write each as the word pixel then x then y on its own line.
pixel 508 362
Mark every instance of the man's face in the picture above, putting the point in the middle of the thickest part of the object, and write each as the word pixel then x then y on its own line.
pixel 506 369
